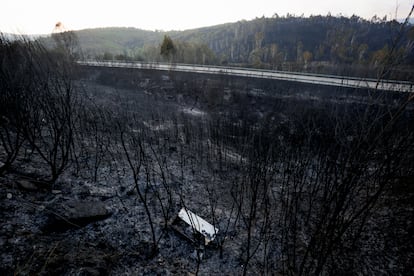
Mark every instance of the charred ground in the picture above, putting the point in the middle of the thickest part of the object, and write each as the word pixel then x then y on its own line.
pixel 299 179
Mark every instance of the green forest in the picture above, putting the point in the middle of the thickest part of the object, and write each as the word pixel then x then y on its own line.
pixel 320 44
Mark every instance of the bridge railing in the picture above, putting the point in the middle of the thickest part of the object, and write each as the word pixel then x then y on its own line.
pixel 392 85
pixel 149 64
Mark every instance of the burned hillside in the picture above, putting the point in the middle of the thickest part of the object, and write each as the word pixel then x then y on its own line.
pixel 97 163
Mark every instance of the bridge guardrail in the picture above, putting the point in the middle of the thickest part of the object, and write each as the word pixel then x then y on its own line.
pixel 391 85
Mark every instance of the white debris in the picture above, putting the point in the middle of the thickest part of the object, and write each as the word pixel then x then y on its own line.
pixel 199 224
pixel 193 111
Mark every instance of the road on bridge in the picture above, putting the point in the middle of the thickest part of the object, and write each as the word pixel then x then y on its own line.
pixel 361 83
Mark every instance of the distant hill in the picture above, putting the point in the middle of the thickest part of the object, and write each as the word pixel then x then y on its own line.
pixel 326 38
pixel 112 40
pixel 116 40
pixel 291 43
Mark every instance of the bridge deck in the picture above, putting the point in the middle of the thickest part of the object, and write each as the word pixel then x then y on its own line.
pixel 386 85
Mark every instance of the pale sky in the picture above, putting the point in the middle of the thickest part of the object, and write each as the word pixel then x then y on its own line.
pixel 40 16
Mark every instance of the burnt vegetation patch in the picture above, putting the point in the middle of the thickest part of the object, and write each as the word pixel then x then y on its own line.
pixel 298 179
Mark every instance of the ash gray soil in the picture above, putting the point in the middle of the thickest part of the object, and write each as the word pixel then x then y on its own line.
pixel 92 220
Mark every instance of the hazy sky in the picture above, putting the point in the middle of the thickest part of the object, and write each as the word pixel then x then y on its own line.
pixel 29 16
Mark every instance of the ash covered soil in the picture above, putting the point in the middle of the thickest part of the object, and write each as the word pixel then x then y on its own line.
pixel 105 231
pixel 86 226
pixel 79 226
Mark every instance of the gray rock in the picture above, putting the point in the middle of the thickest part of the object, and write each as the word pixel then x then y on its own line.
pixel 75 214
pixel 26 185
